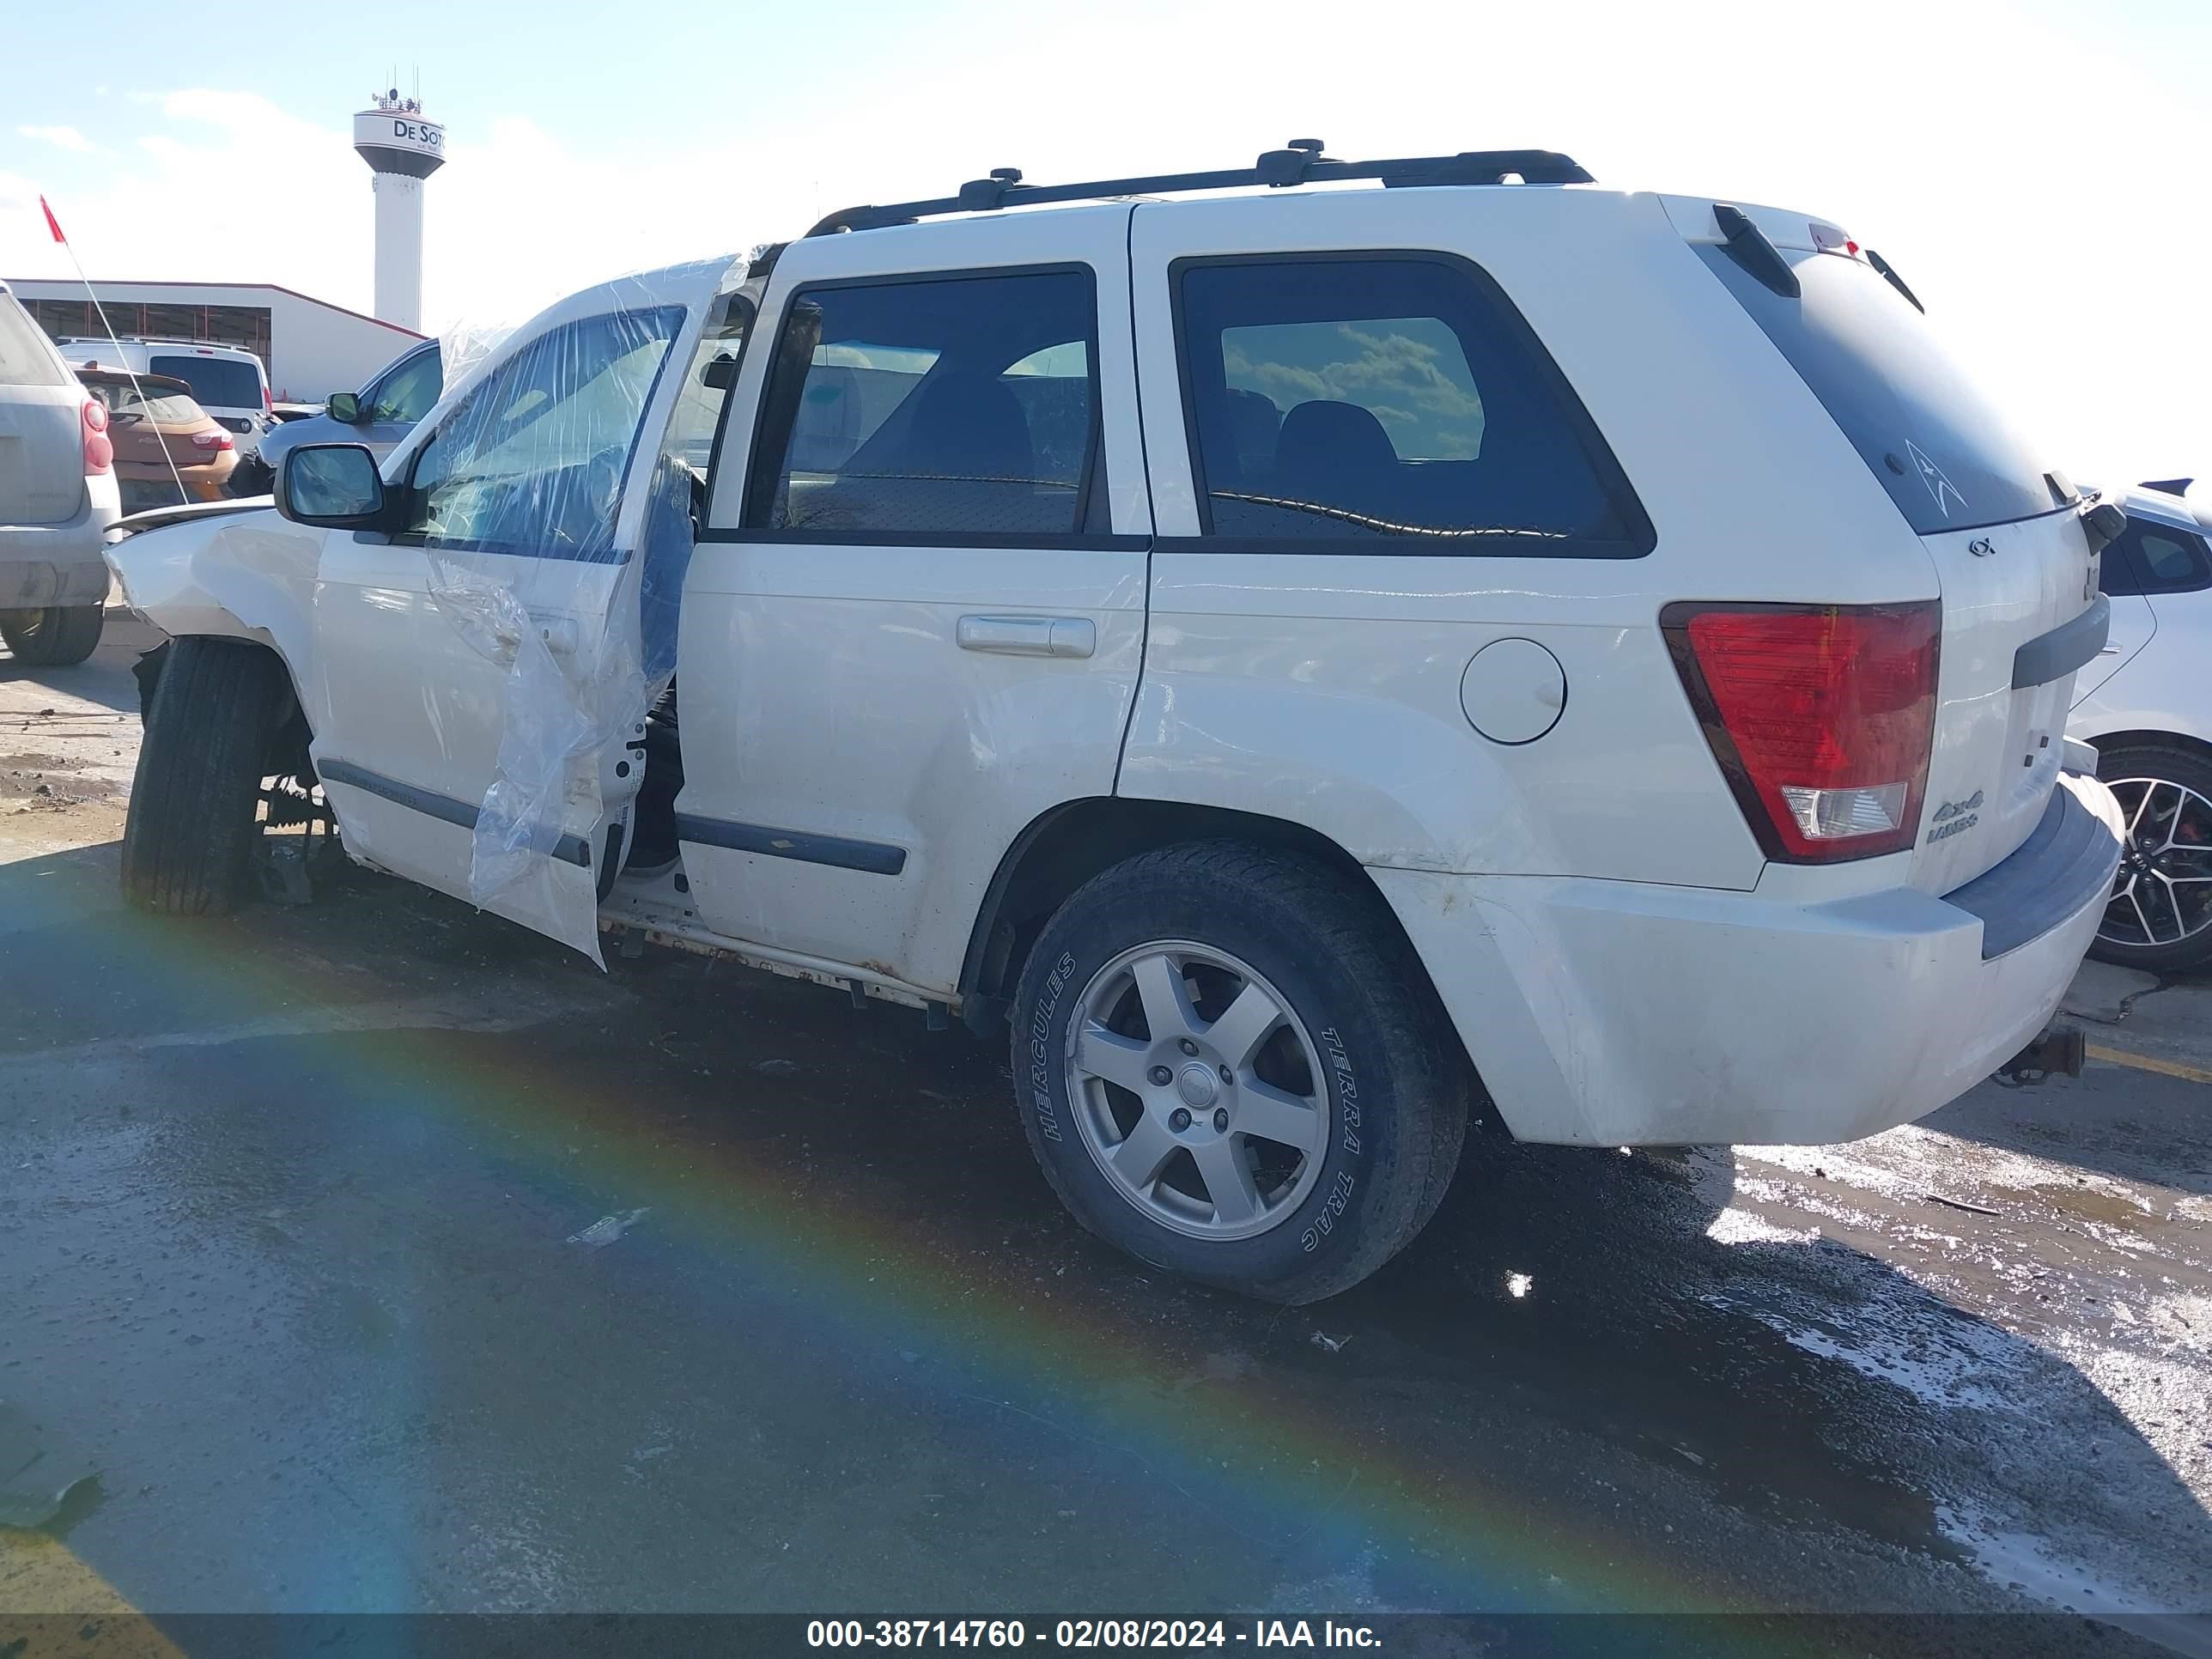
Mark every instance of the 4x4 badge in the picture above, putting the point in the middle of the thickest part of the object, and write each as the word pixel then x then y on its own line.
pixel 1980 547
pixel 1952 808
pixel 1955 818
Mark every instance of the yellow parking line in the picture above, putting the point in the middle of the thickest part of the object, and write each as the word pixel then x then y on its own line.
pixel 2146 1063
pixel 51 1603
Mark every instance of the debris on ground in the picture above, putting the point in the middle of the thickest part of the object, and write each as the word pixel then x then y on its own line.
pixel 1960 1204
pixel 1327 1343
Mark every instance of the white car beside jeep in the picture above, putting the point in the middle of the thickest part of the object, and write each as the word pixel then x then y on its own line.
pixel 1299 663
pixel 2146 703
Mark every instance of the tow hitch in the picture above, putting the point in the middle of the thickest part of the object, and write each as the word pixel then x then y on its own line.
pixel 2058 1049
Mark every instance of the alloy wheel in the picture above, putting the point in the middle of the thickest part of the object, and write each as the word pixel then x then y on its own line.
pixel 2163 894
pixel 1198 1090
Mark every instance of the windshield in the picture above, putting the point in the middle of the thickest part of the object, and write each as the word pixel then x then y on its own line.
pixel 1947 456
pixel 217 382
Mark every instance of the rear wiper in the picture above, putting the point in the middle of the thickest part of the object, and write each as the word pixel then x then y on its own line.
pixel 1890 275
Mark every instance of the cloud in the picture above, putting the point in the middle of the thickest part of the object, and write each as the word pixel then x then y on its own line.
pixel 1398 368
pixel 63 138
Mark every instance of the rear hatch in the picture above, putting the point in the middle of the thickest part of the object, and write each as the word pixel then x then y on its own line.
pixel 231 390
pixel 2001 525
pixel 41 426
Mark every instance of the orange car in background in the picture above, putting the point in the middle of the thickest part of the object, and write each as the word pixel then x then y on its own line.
pixel 155 427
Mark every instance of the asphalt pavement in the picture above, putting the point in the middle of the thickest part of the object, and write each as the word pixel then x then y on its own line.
pixel 374 1255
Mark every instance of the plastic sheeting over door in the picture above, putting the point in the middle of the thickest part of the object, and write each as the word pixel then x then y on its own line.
pixel 548 512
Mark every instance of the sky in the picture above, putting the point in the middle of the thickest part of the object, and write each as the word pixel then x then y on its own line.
pixel 2040 172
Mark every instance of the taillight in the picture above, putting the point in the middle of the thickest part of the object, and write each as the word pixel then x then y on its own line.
pixel 99 447
pixel 1821 716
pixel 267 406
pixel 211 440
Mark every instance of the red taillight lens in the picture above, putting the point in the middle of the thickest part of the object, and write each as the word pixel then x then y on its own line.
pixel 268 406
pixel 99 447
pixel 211 440
pixel 1822 716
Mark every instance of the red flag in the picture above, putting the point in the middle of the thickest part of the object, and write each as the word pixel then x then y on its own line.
pixel 53 223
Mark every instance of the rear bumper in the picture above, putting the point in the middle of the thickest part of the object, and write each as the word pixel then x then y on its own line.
pixel 1620 1013
pixel 143 488
pixel 44 564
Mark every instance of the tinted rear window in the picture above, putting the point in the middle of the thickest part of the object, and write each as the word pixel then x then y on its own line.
pixel 26 359
pixel 1947 455
pixel 163 405
pixel 217 382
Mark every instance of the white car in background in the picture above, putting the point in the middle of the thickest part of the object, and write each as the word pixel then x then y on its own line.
pixel 2146 702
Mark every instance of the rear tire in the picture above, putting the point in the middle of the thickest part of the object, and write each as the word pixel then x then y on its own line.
pixel 194 819
pixel 1216 1173
pixel 251 477
pixel 2159 919
pixel 59 636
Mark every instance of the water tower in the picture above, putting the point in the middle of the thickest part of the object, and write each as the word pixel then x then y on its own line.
pixel 402 149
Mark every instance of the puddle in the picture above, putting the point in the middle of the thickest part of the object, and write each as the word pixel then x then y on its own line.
pixel 41 1487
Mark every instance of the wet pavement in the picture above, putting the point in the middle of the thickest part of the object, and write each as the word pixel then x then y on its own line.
pixel 376 1255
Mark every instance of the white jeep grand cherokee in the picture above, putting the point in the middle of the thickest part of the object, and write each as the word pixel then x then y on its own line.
pixel 1300 661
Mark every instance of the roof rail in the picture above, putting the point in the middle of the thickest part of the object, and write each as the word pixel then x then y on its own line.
pixel 1301 163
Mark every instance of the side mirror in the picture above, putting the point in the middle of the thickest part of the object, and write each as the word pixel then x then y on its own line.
pixel 721 373
pixel 344 408
pixel 331 486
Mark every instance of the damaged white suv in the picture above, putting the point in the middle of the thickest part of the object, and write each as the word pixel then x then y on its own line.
pixel 1299 661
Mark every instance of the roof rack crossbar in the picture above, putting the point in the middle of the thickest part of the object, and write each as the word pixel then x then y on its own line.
pixel 1301 163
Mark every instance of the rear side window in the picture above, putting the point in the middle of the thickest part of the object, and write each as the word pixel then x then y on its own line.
pixel 949 406
pixel 2155 558
pixel 1946 455
pixel 214 381
pixel 26 359
pixel 1394 404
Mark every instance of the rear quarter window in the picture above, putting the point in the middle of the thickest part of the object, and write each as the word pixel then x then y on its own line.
pixel 1387 404
pixel 2150 557
pixel 25 358
pixel 1947 455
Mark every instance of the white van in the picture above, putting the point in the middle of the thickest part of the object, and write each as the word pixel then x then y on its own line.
pixel 228 381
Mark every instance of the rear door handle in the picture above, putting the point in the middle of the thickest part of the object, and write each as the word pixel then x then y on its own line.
pixel 1029 636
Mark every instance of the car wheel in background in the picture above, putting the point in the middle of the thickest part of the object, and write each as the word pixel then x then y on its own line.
pixel 194 819
pixel 54 637
pixel 2160 918
pixel 1230 1065
pixel 251 477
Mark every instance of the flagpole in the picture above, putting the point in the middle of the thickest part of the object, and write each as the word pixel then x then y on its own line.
pixel 122 357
